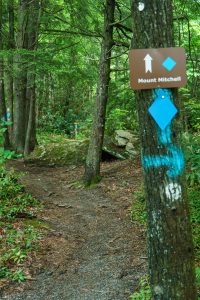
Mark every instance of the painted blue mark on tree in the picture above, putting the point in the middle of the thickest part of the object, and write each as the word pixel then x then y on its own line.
pixel 175 162
pixel 175 158
pixel 164 136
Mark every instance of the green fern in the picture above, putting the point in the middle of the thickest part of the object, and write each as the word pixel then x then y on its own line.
pixel 197 270
pixel 144 292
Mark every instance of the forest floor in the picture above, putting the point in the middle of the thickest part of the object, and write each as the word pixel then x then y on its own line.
pixel 91 250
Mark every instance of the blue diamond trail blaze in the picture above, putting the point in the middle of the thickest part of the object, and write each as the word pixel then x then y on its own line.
pixel 163 110
pixel 169 64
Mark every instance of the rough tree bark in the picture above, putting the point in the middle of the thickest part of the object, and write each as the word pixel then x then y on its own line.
pixel 92 167
pixel 11 45
pixel 170 249
pixel 71 62
pixel 32 29
pixel 24 108
pixel 30 140
pixel 3 116
pixel 20 79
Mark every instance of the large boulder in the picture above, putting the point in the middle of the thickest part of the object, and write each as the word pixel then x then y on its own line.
pixel 120 141
pixel 124 134
pixel 123 142
pixel 123 137
pixel 131 149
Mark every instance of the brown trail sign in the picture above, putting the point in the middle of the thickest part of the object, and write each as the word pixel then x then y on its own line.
pixel 157 68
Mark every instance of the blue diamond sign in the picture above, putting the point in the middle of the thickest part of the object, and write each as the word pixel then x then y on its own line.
pixel 163 111
pixel 169 63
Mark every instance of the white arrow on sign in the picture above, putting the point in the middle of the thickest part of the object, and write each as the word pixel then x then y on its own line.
pixel 148 63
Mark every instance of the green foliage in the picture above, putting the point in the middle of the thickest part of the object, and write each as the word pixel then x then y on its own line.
pixel 198 276
pixel 55 122
pixel 60 150
pixel 187 35
pixel 4 154
pixel 194 196
pixel 144 292
pixel 17 239
pixel 45 138
pixel 138 210
pixel 192 110
pixel 121 108
pixel 194 203
pixel 119 119
pixel 192 153
pixel 13 199
pixel 17 275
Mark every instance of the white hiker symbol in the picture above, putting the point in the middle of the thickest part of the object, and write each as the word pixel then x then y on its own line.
pixel 148 63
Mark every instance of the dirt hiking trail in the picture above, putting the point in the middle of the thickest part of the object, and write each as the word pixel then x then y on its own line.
pixel 92 251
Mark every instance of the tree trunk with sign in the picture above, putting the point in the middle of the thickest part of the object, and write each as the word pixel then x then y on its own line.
pixel 92 167
pixel 170 248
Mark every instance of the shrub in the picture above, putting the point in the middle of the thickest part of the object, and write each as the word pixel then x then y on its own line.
pixel 192 154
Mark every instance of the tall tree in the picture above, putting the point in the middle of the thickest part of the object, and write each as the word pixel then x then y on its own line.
pixel 170 247
pixel 33 26
pixel 92 167
pixel 2 88
pixel 11 45
pixel 24 102
pixel 19 130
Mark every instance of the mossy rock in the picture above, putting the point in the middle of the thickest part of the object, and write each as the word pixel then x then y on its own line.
pixel 69 152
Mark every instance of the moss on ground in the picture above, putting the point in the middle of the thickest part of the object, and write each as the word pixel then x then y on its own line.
pixel 66 152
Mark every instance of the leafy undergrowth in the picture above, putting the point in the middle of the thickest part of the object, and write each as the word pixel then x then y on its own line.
pixel 138 211
pixel 192 154
pixel 44 138
pixel 143 292
pixel 194 196
pixel 17 237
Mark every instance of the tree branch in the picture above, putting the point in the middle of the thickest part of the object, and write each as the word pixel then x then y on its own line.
pixel 120 21
pixel 119 70
pixel 120 26
pixel 121 43
pixel 91 34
